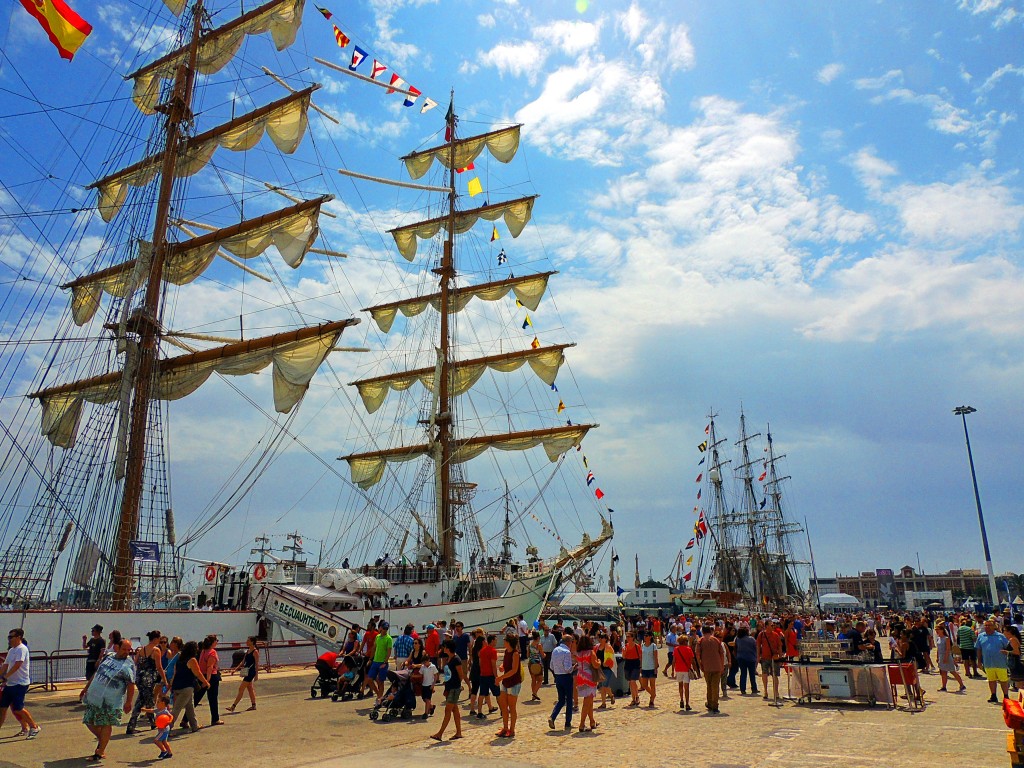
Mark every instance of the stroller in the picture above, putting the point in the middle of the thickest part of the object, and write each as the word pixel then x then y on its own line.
pixel 350 683
pixel 326 682
pixel 399 701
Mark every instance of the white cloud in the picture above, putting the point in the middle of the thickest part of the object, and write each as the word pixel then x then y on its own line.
pixel 904 290
pixel 517 59
pixel 877 83
pixel 593 110
pixel 681 54
pixel 995 77
pixel 829 72
pixel 570 37
pixel 486 20
pixel 965 211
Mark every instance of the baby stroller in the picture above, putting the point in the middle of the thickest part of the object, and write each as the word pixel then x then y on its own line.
pixel 326 682
pixel 350 683
pixel 399 701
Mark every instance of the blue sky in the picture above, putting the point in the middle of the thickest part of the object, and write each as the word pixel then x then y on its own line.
pixel 810 210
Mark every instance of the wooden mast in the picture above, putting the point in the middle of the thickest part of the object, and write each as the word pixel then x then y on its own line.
pixel 446 525
pixel 179 114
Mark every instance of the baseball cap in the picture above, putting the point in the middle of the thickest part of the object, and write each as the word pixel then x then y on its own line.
pixel 384 625
pixel 430 626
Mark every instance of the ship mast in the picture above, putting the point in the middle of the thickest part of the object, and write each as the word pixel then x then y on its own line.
pixel 443 417
pixel 147 322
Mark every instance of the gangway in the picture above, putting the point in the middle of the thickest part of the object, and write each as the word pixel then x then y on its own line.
pixel 303 617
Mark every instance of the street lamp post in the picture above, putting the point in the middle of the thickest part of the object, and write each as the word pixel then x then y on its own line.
pixel 962 412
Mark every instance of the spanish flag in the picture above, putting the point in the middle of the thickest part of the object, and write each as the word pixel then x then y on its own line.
pixel 65 28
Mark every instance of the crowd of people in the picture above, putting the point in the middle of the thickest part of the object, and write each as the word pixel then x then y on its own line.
pixel 484 672
pixel 165 679
pixel 162 681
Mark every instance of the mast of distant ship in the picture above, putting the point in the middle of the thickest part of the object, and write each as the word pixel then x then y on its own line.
pixel 147 322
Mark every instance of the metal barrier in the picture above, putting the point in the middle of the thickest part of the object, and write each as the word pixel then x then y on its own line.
pixel 282 653
pixel 38 669
pixel 67 665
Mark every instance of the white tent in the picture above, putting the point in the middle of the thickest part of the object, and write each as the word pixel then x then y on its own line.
pixel 838 600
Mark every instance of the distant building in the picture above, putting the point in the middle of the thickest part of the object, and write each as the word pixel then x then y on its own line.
pixel 888 587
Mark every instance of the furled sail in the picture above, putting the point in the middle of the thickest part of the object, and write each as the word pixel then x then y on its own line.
pixel 502 145
pixel 515 212
pixel 284 121
pixel 529 289
pixel 368 468
pixel 292 230
pixel 545 362
pixel 295 356
pixel 281 18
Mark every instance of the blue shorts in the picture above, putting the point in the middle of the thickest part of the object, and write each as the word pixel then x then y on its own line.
pixel 647 674
pixel 609 677
pixel 378 671
pixel 13 697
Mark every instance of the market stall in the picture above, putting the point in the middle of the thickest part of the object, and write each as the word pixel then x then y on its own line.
pixel 828 672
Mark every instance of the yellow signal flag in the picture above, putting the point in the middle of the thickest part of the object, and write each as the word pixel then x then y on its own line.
pixel 561 407
pixel 474 187
pixel 535 343
pixel 495 235
pixel 689 559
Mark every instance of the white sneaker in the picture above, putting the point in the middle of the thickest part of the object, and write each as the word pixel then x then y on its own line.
pixel 33 732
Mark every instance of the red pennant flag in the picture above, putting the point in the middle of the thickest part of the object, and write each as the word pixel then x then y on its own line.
pixel 377 69
pixel 691 543
pixel 599 493
pixel 327 14
pixel 707 429
pixel 397 82
pixel 688 576
pixel 763 476
pixel 341 37
pixel 469 167
pixel 699 477
pixel 698 494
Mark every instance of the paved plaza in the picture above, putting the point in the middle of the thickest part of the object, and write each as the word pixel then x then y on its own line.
pixel 290 729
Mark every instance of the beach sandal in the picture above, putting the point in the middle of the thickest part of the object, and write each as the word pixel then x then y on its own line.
pixel 502 733
pixel 231 708
pixel 251 709
pixel 436 737
pixel 456 736
pixel 95 757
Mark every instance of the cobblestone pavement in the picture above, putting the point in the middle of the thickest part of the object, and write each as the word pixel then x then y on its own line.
pixel 289 729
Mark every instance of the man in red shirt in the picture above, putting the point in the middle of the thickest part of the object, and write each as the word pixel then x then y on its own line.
pixel 771 648
pixel 488 670
pixel 366 650
pixel 432 643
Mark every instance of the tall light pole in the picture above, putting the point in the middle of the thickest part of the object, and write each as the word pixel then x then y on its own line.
pixel 962 412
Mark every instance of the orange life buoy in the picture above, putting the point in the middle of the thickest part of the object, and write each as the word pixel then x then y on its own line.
pixel 259 572
pixel 211 573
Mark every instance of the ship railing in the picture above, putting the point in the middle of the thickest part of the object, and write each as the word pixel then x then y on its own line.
pixel 411 573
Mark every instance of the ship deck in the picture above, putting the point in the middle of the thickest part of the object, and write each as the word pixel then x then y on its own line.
pixel 750 733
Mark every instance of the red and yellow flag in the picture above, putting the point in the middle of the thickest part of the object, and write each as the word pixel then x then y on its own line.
pixel 65 28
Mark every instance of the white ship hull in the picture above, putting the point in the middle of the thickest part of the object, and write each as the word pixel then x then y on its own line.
pixel 315 613
pixel 51 631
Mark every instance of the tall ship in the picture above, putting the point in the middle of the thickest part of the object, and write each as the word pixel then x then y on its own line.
pixel 217 200
pixel 746 551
